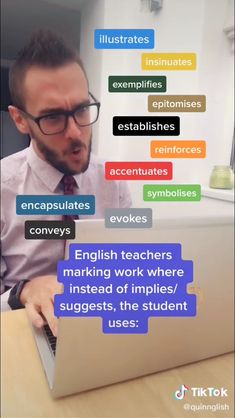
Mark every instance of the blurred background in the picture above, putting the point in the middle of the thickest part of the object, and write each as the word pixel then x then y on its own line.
pixel 205 27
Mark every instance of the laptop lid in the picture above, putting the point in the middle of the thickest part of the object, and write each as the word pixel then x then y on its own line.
pixel 87 358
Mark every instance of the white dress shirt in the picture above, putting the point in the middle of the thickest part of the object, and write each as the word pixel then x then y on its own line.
pixel 25 173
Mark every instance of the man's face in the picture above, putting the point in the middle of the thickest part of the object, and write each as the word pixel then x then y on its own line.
pixel 49 90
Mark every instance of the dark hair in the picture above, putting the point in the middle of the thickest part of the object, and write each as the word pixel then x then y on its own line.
pixel 45 49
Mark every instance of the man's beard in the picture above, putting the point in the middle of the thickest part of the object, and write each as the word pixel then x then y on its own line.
pixel 52 156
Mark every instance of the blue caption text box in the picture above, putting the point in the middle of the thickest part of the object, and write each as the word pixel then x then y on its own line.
pixel 125 284
pixel 124 38
pixel 55 205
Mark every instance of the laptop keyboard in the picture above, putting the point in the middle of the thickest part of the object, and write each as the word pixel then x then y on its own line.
pixel 50 338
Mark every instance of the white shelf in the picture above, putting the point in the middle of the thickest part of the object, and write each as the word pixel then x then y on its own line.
pixel 221 194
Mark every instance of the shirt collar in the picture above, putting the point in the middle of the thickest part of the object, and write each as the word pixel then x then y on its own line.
pixel 48 174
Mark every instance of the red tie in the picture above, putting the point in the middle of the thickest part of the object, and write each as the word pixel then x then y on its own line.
pixel 69 185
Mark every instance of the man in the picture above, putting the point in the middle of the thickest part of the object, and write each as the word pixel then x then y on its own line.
pixel 51 103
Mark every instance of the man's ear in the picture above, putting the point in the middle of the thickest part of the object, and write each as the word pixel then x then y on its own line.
pixel 19 120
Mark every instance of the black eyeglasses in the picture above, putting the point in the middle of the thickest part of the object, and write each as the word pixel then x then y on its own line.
pixel 56 123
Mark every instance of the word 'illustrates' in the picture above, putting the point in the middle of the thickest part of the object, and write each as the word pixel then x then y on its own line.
pixel 124 38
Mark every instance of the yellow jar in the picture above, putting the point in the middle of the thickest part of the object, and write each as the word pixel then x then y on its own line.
pixel 222 177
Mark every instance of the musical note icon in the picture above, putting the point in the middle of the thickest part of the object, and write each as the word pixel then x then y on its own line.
pixel 179 394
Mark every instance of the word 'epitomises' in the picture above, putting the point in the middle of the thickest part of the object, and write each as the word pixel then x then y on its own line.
pixel 176 103
pixel 125 284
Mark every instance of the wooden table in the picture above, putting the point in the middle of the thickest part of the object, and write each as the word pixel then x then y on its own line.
pixel 25 392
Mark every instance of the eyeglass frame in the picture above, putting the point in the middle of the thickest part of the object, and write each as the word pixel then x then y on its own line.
pixel 66 113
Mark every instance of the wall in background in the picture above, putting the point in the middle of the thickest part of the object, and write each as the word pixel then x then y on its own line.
pixel 92 17
pixel 182 26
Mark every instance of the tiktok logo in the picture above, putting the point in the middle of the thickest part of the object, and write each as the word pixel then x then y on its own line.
pixel 180 394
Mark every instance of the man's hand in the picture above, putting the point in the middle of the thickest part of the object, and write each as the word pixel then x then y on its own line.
pixel 38 298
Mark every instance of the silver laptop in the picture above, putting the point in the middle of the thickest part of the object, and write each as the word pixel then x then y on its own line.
pixel 83 357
